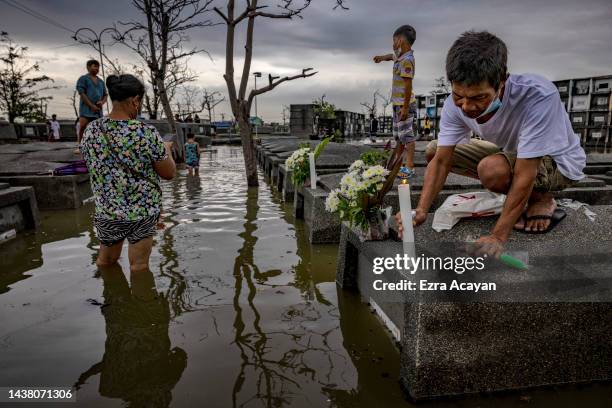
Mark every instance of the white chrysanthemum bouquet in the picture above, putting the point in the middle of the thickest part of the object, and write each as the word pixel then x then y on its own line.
pixel 359 197
pixel 298 163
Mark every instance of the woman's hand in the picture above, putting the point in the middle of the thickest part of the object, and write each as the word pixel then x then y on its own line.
pixel 166 168
pixel 169 148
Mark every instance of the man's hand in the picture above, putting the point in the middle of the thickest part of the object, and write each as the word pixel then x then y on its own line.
pixel 99 104
pixel 489 245
pixel 419 217
pixel 378 59
pixel 95 108
pixel 403 113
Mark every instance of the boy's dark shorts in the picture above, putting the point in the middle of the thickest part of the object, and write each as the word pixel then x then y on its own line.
pixel 111 232
pixel 467 156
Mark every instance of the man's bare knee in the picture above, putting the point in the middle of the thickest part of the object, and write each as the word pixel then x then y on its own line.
pixel 430 150
pixel 494 173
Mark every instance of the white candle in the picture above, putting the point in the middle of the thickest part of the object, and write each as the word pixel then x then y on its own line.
pixel 403 191
pixel 313 171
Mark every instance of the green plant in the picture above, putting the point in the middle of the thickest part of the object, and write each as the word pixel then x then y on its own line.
pixel 374 157
pixel 324 110
pixel 319 149
pixel 337 136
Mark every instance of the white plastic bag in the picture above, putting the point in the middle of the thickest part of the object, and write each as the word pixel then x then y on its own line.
pixel 576 205
pixel 475 205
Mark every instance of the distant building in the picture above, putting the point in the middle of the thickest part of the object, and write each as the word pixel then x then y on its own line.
pixel 430 106
pixel 304 123
pixel 302 120
pixel 588 102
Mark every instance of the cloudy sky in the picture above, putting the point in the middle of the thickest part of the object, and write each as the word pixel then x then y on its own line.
pixel 556 38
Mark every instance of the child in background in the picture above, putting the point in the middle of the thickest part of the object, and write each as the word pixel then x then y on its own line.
pixel 192 154
pixel 402 96
pixel 54 129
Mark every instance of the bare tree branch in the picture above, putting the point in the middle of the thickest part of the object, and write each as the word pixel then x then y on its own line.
pixel 274 84
pixel 158 40
pixel 239 102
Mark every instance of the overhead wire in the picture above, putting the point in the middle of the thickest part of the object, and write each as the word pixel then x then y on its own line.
pixel 33 13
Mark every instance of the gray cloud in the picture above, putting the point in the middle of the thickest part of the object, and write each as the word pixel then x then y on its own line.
pixel 556 38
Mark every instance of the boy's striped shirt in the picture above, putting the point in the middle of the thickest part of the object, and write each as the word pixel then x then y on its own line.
pixel 403 67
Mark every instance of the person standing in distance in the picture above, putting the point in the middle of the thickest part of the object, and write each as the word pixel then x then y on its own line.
pixel 93 96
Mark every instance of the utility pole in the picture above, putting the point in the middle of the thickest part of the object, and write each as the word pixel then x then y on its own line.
pixel 256 75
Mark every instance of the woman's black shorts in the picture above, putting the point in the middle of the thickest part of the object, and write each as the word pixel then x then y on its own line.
pixel 111 232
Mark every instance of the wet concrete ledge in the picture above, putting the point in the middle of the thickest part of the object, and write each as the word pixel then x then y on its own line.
pixel 336 158
pixel 31 164
pixel 285 186
pixel 18 208
pixel 324 227
pixel 55 193
pixel 558 329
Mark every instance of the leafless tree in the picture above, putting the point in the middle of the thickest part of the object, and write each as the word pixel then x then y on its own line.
pixel 210 100
pixel 189 101
pixel 159 39
pixel 74 103
pixel 240 100
pixel 384 101
pixel 371 107
pixel 178 74
pixel 441 86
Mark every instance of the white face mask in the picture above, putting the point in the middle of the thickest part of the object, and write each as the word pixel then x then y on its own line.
pixel 493 106
pixel 398 52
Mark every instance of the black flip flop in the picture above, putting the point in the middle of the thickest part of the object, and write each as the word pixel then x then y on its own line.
pixel 522 217
pixel 555 219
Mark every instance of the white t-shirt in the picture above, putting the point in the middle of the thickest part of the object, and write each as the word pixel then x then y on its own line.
pixel 55 128
pixel 531 122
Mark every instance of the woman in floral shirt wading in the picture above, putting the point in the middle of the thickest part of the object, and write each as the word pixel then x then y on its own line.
pixel 126 159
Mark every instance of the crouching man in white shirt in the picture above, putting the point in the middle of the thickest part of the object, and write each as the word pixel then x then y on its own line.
pixel 528 149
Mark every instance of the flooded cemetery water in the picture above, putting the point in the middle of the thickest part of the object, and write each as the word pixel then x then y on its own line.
pixel 238 310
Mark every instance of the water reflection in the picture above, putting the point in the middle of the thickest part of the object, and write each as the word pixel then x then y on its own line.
pixel 177 291
pixel 139 366
pixel 278 365
pixel 26 251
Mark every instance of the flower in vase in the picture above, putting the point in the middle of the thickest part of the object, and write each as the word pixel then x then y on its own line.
pixel 332 201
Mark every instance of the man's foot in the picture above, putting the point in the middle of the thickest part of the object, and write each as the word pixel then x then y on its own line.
pixel 545 205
